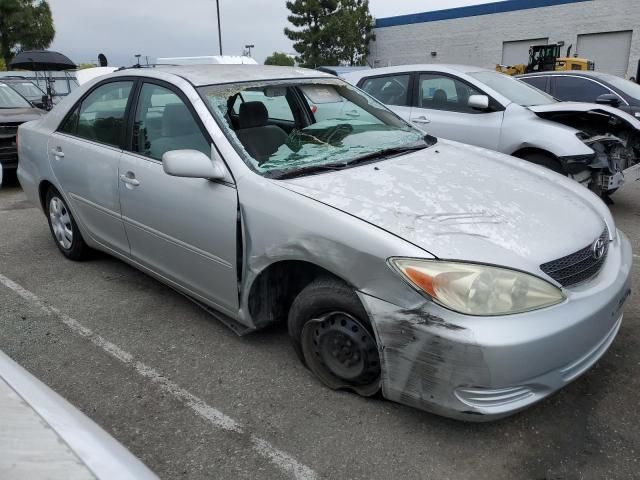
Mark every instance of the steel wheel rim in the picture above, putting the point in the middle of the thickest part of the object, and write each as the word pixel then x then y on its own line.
pixel 343 351
pixel 61 223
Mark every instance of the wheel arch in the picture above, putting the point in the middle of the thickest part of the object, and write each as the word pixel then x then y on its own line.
pixel 271 293
pixel 43 188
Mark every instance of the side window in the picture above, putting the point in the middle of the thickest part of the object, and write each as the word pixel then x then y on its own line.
pixel 101 116
pixel 390 90
pixel 70 125
pixel 164 123
pixel 440 92
pixel 577 89
pixel 278 107
pixel 538 82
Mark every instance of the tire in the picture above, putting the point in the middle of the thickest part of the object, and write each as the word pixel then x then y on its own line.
pixel 63 227
pixel 544 160
pixel 332 336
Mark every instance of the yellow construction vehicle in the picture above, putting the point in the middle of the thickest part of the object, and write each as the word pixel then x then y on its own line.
pixel 544 58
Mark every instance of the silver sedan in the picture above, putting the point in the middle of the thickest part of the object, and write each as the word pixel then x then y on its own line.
pixel 596 145
pixel 454 279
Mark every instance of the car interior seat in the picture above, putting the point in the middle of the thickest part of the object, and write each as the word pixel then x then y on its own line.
pixel 440 99
pixel 260 139
pixel 179 132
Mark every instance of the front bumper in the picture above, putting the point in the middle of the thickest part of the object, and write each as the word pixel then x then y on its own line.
pixel 485 368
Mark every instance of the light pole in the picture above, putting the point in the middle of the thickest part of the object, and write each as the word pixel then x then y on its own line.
pixel 219 29
pixel 248 49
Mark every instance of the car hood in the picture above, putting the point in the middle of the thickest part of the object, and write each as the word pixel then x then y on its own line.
pixel 566 107
pixel 20 115
pixel 465 203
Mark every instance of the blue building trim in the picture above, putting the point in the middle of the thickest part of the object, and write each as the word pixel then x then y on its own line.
pixel 471 11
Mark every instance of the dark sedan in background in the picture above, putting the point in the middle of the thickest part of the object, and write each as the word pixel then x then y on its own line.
pixel 586 86
pixel 27 89
pixel 14 111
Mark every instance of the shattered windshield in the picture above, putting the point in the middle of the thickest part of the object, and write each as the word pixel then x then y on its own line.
pixel 518 92
pixel 285 127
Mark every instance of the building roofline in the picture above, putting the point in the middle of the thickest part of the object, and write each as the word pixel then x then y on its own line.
pixel 470 11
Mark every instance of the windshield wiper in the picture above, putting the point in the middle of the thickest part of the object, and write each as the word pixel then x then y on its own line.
pixel 283 175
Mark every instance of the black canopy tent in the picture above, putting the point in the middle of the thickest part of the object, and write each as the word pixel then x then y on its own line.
pixel 43 61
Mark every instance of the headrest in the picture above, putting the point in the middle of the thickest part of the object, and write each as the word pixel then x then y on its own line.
pixel 440 96
pixel 253 114
pixel 177 120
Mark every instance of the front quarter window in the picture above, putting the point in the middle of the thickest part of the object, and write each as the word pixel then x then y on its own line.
pixel 322 124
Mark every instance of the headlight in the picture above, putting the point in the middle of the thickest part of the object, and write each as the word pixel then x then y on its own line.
pixel 478 289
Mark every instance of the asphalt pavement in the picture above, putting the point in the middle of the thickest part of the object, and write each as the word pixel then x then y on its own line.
pixel 192 400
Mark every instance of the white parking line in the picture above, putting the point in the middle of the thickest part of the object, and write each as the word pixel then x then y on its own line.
pixel 280 459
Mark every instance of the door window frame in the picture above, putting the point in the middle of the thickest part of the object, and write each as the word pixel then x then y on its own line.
pixel 128 142
pixel 78 105
pixel 552 86
pixel 494 105
pixel 128 137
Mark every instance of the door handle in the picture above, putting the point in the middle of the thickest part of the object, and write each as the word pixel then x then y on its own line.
pixel 57 152
pixel 421 119
pixel 129 179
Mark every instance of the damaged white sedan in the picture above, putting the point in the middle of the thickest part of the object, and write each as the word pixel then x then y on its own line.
pixel 451 278
pixel 596 145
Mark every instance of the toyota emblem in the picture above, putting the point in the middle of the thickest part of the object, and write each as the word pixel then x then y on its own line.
pixel 598 249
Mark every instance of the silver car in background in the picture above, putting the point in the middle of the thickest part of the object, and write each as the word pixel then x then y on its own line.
pixel 454 279
pixel 596 145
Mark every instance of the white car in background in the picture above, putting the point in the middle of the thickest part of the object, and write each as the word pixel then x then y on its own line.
pixel 596 145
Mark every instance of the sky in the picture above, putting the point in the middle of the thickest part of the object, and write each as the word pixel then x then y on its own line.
pixel 180 28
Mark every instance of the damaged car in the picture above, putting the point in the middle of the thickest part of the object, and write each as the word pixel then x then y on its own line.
pixel 597 145
pixel 443 275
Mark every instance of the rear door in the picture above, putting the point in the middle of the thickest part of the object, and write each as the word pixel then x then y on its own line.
pixel 394 90
pixel 441 108
pixel 183 229
pixel 84 154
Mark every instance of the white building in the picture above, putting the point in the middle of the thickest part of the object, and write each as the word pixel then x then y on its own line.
pixel 605 31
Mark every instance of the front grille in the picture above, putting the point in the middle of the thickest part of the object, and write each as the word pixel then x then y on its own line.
pixel 9 129
pixel 8 149
pixel 579 266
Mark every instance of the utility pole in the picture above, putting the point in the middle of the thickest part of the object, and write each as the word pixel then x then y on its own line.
pixel 219 29
pixel 248 49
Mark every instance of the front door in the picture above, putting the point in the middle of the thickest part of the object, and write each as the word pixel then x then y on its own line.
pixel 442 110
pixel 85 153
pixel 181 228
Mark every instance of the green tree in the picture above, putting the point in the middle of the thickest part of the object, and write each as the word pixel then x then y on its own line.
pixel 330 32
pixel 24 25
pixel 3 67
pixel 279 58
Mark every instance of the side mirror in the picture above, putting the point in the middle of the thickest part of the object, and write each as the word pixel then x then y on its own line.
pixel 479 102
pixel 193 164
pixel 608 99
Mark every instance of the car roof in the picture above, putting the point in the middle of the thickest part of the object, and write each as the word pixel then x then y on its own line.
pixel 200 75
pixel 583 73
pixel 432 67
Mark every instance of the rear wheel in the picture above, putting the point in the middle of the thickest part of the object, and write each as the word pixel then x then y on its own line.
pixel 331 334
pixel 63 227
